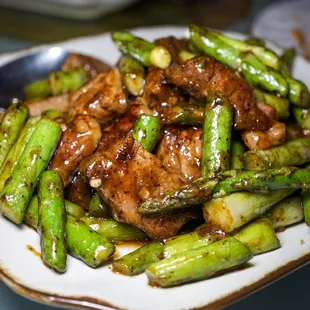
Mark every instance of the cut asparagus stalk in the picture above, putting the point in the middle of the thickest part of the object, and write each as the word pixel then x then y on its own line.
pixel 233 211
pixel 302 117
pixel 187 115
pixel 202 190
pixel 291 153
pixel 145 52
pixel 217 129
pixel 14 119
pixel 137 261
pixel 17 150
pixel 198 264
pixel 280 104
pixel 86 244
pixel 52 221
pixel 196 239
pixel 18 189
pixel 259 236
pixel 147 131
pixel 237 150
pixel 114 230
pixel 286 212
pixel 133 75
pixel 98 208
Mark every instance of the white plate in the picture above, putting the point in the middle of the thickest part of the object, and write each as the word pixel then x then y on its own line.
pixel 277 21
pixel 74 9
pixel 100 288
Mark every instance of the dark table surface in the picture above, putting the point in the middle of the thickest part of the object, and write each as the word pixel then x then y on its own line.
pixel 19 30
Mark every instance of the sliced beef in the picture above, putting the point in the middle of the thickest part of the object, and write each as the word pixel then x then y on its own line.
pixel 204 75
pixel 79 141
pixel 180 151
pixel 126 174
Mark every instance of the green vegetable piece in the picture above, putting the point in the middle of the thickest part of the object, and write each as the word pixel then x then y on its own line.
pixel 255 41
pixel 233 211
pixel 98 208
pixel 145 52
pixel 14 119
pixel 52 221
pixel 38 89
pixel 19 188
pixel 195 239
pixel 85 244
pixel 114 230
pixel 259 236
pixel 199 264
pixel 74 209
pixel 147 131
pixel 133 75
pixel 187 115
pixel 137 261
pixel 17 150
pixel 291 153
pixel 217 129
pixel 237 150
pixel 287 212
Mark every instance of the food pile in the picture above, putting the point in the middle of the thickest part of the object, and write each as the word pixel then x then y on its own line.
pixel 198 146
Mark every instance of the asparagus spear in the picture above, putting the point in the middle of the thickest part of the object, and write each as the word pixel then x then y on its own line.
pixel 17 149
pixel 55 115
pixel 186 55
pixel 32 212
pixel 198 264
pixel 52 221
pixel 217 129
pixel 18 189
pixel 302 117
pixel 237 150
pixel 259 236
pixel 133 75
pixel 145 52
pixel 14 118
pixel 286 212
pixel 233 211
pixel 114 230
pixel 255 41
pixel 291 153
pixel 187 115
pixel 195 239
pixel 147 131
pixel 202 190
pixel 251 68
pixel 266 56
pixel 281 105
pixel 57 83
pixel 97 207
pixel 86 244
pixel 298 91
pixel 137 261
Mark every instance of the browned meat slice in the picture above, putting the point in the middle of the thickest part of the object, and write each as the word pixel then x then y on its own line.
pixel 174 46
pixel 180 151
pixel 90 64
pixel 204 75
pixel 37 107
pixel 103 98
pixel 79 191
pixel 79 141
pixel 125 175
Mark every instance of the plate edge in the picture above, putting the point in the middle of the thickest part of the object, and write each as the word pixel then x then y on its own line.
pixel 90 303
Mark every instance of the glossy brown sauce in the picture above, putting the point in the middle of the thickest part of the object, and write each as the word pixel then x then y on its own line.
pixel 33 250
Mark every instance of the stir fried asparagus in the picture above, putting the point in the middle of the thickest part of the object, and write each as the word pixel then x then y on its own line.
pixel 133 75
pixel 52 221
pixel 137 261
pixel 202 190
pixel 98 207
pixel 198 264
pixel 237 150
pixel 216 137
pixel 286 212
pixel 145 52
pixel 19 188
pixel 14 118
